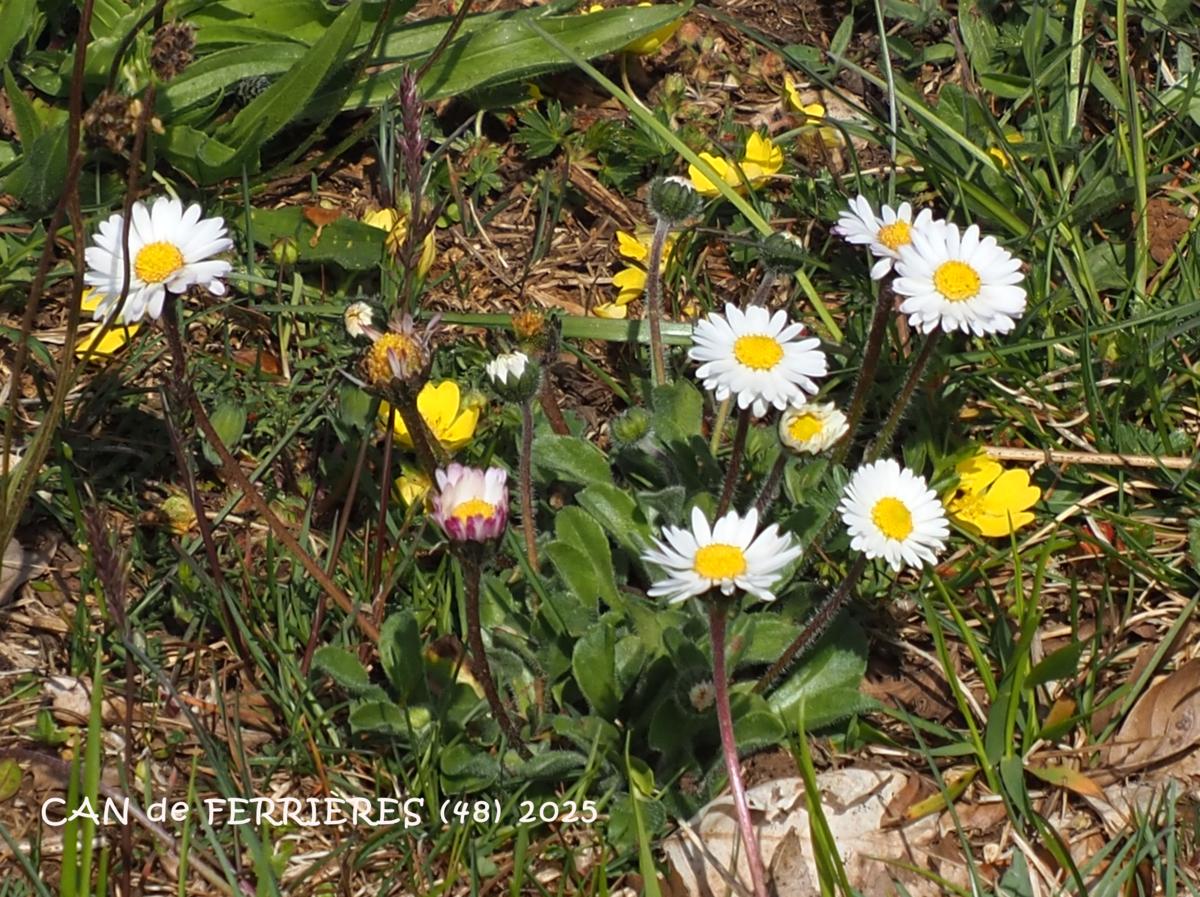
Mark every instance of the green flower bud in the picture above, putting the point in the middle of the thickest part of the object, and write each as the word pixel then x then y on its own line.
pixel 285 252
pixel 515 377
pixel 674 200
pixel 630 427
pixel 783 252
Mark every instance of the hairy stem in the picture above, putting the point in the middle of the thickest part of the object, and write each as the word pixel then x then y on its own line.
pixel 735 461
pixel 764 287
pixel 658 362
pixel 758 876
pixel 483 671
pixel 423 443
pixel 818 623
pixel 526 475
pixel 866 372
pixel 770 487
pixel 884 441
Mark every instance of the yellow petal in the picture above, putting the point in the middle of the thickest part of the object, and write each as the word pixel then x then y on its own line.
pixel 595 7
pixel 118 335
pixel 644 46
pixel 631 247
pixel 610 310
pixel 761 152
pixel 703 185
pixel 428 254
pixel 976 473
pixel 1013 492
pixel 384 219
pixel 400 434
pixel 460 431
pixel 412 486
pixel 793 95
pixel 439 405
pixel 630 280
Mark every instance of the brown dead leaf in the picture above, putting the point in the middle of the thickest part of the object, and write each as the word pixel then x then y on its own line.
pixel 1164 723
pixel 320 217
pixel 19 565
pixel 1066 777
pixel 1166 223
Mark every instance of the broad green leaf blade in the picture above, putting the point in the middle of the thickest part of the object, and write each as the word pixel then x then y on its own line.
pixel 201 156
pixel 594 664
pixel 401 655
pixel 29 126
pixel 571 458
pixel 348 243
pixel 215 72
pixel 342 667
pixel 14 25
pixel 283 101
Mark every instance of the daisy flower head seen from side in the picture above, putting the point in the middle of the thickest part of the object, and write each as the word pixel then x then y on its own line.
pixel 811 429
pixel 170 250
pixel 884 233
pixel 471 505
pixel 758 357
pixel 730 555
pixel 959 281
pixel 891 513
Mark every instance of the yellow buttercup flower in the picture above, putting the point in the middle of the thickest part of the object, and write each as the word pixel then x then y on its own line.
pixel 813 113
pixel 451 420
pixel 990 499
pixel 396 224
pixel 760 160
pixel 118 334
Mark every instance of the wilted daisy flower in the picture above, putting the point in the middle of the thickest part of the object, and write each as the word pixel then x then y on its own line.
pixel 358 318
pixel 728 556
pixel 959 282
pixel 471 504
pixel 170 249
pixel 811 428
pixel 756 356
pixel 892 513
pixel 885 233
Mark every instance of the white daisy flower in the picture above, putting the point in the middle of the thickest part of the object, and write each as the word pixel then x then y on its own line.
pixel 728 556
pixel 962 282
pixel 884 233
pixel 758 357
pixel 892 513
pixel 510 365
pixel 811 428
pixel 170 249
pixel 358 318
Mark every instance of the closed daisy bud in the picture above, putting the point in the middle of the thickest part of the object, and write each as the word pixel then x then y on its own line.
pixel 514 376
pixel 358 318
pixel 811 429
pixel 471 505
pixel 891 513
pixel 674 200
pixel 630 427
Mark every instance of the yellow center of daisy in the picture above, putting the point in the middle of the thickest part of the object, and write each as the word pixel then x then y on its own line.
pixel 805 426
pixel 474 507
pixel 758 352
pixel 157 262
pixel 379 368
pixel 956 280
pixel 719 561
pixel 895 235
pixel 893 518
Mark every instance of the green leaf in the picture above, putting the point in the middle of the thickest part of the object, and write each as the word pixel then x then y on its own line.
pixel 286 98
pixel 594 664
pixel 554 766
pixel 507 50
pixel 342 667
pixel 229 420
pixel 571 458
pixel 14 25
pixel 401 655
pixel 574 527
pixel 252 21
pixel 29 126
pixel 348 243
pixel 464 769
pixel 825 678
pixel 618 513
pixel 758 729
pixel 765 636
pixel 377 716
pixel 576 608
pixel 1061 664
pixel 37 181
pixel 10 779
pixel 208 76
pixel 201 156
pixel 979 32
pixel 678 411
